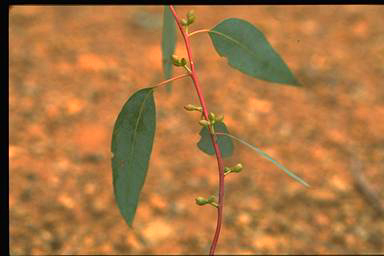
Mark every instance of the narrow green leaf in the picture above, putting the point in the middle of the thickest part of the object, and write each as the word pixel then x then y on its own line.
pixel 132 141
pixel 265 155
pixel 225 143
pixel 248 50
pixel 168 44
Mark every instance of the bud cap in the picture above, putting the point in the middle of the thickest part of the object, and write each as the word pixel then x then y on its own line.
pixel 237 168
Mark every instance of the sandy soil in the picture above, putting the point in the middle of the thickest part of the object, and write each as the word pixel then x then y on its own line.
pixel 72 69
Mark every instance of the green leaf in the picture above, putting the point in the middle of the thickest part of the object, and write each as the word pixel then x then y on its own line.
pixel 266 156
pixel 132 141
pixel 248 50
pixel 168 44
pixel 225 143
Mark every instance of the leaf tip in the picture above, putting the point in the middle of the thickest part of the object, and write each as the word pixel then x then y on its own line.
pixel 302 182
pixel 297 83
pixel 292 81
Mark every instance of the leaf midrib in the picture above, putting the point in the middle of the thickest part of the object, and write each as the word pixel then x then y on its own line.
pixel 235 41
pixel 137 124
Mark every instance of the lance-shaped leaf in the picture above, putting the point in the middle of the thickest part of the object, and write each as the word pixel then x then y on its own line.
pixel 132 141
pixel 248 50
pixel 225 143
pixel 266 156
pixel 168 43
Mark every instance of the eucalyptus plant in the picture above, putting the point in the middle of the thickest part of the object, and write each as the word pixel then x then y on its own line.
pixel 248 51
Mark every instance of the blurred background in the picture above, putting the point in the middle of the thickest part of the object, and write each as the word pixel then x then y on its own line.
pixel 73 68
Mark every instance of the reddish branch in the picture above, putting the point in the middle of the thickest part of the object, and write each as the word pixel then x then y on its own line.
pixel 213 136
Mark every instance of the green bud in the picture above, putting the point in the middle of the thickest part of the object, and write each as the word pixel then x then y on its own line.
pixel 183 62
pixel 191 17
pixel 204 122
pixel 211 117
pixel 174 57
pixel 211 199
pixel 175 60
pixel 178 62
pixel 184 22
pixel 191 107
pixel 237 168
pixel 201 201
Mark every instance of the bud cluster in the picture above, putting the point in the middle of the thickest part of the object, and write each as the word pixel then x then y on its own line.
pixel 212 118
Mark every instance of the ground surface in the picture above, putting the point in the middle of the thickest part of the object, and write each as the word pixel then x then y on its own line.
pixel 72 69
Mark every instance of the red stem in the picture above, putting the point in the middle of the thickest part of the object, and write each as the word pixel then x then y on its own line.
pixel 213 136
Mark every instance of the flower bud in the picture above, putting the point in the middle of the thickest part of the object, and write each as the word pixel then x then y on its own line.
pixel 237 168
pixel 178 62
pixel 175 60
pixel 204 122
pixel 191 107
pixel 191 16
pixel 211 117
pixel 201 201
pixel 184 22
pixel 211 199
